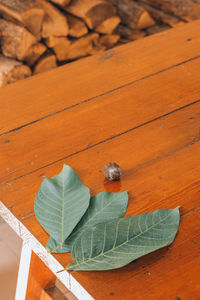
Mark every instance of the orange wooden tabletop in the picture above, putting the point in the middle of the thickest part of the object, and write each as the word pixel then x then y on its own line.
pixel 137 105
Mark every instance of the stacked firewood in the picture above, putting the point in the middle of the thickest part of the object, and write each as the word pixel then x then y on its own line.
pixel 37 35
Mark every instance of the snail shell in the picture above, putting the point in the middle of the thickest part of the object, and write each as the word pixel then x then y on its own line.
pixel 112 171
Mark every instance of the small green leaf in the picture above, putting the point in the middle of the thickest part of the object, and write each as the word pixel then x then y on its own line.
pixel 103 207
pixel 60 204
pixel 114 244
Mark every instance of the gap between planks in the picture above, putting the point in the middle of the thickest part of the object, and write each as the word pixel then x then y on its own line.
pixel 127 63
pixel 176 157
pixel 107 140
pixel 102 184
pixel 110 117
pixel 126 173
pixel 101 95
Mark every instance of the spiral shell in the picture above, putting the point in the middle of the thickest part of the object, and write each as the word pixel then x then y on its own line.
pixel 112 171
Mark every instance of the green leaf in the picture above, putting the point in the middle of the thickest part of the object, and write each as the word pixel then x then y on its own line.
pixel 60 204
pixel 114 244
pixel 103 207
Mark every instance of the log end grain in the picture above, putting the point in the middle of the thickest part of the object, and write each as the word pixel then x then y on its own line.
pixel 12 70
pixel 15 40
pixel 86 45
pixel 77 27
pixel 145 21
pixel 62 3
pixel 60 46
pixel 128 34
pixel 109 40
pixel 108 25
pixel 45 63
pixel 55 22
pixel 28 13
pixel 34 53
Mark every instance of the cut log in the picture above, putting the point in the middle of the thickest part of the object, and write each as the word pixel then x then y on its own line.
pixel 45 63
pixel 62 3
pixel 109 40
pixel 93 12
pixel 81 47
pixel 54 23
pixel 12 70
pixel 108 25
pixel 60 46
pixel 161 16
pixel 144 21
pixel 28 13
pixel 132 14
pixel 129 34
pixel 84 46
pixel 77 27
pixel 179 8
pixel 157 28
pixel 15 40
pixel 34 53
pixel 53 41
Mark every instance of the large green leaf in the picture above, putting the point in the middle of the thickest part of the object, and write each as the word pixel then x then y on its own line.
pixel 60 204
pixel 103 207
pixel 111 245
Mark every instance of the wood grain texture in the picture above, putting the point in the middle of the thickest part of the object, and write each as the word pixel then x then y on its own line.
pixel 146 148
pixel 151 129
pixel 110 115
pixel 128 63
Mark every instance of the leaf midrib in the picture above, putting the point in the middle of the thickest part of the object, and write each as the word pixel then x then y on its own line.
pixel 79 230
pixel 102 254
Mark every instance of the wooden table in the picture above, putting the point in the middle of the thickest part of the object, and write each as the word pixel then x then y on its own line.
pixel 137 105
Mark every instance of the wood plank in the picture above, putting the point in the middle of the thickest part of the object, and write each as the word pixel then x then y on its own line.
pixel 129 63
pixel 52 293
pixel 40 277
pixel 64 134
pixel 150 157
pixel 45 296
